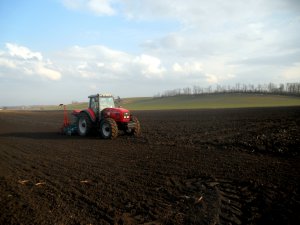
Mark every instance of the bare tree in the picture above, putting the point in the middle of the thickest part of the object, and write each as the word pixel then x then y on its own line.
pixel 270 88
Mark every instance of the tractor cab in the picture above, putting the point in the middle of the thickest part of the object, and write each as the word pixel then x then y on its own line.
pixel 101 101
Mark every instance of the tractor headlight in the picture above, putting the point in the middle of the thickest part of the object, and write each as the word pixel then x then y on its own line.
pixel 126 116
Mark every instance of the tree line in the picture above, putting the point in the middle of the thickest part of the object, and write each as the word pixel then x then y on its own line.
pixel 270 88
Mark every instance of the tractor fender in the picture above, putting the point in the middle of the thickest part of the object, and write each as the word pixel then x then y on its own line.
pixel 90 113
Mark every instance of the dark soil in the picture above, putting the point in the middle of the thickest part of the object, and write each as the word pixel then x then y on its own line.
pixel 233 166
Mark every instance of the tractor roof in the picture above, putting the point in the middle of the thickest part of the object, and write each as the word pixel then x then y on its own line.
pixel 100 95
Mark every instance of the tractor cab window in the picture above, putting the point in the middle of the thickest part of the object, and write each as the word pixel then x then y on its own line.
pixel 106 102
pixel 94 104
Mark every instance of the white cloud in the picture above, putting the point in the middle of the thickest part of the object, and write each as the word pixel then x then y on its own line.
pixel 7 63
pixel 235 41
pixel 97 7
pixel 208 14
pixel 20 61
pixel 101 7
pixel 205 75
pixel 211 79
pixel 94 62
pixel 149 65
pixel 292 74
pixel 187 67
pixel 100 63
pixel 220 35
pixel 192 12
pixel 42 70
pixel 22 52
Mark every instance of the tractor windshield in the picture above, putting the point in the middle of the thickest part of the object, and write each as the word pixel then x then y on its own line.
pixel 106 102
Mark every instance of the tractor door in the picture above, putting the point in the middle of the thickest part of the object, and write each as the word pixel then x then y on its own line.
pixel 94 105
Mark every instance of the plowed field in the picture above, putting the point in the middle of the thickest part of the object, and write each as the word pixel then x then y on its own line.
pixel 234 166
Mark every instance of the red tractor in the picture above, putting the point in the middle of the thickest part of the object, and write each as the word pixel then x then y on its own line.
pixel 103 116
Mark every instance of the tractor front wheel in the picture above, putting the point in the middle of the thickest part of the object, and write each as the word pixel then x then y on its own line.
pixel 84 124
pixel 136 130
pixel 108 129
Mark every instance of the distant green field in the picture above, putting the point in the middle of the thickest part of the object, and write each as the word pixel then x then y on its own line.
pixel 198 102
pixel 211 102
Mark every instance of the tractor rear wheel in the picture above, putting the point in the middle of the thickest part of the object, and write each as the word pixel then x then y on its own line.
pixel 136 131
pixel 84 124
pixel 108 129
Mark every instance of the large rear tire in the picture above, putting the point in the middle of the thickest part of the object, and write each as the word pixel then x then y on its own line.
pixel 108 129
pixel 84 124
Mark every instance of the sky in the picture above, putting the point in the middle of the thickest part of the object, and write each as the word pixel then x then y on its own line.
pixel 59 51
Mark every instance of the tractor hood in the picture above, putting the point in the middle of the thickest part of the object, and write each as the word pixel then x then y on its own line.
pixel 115 110
pixel 118 114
